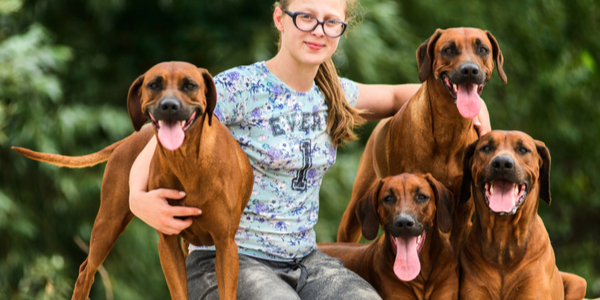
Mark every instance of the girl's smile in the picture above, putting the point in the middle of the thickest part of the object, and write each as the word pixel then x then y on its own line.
pixel 314 46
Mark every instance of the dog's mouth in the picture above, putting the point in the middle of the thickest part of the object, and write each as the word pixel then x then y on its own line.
pixel 466 96
pixel 171 133
pixel 504 197
pixel 407 265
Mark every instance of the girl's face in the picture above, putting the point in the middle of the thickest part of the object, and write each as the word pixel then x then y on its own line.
pixel 314 47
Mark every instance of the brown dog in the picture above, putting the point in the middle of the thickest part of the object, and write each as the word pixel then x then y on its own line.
pixel 508 254
pixel 431 131
pixel 196 154
pixel 413 259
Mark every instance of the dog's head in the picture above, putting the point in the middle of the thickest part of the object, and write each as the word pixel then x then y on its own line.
pixel 409 208
pixel 506 170
pixel 462 59
pixel 173 95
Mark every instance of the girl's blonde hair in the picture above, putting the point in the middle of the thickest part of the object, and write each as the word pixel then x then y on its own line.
pixel 341 117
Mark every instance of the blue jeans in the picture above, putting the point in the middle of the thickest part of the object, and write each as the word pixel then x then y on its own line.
pixel 316 276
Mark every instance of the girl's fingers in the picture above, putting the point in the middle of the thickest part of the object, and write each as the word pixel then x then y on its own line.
pixel 169 193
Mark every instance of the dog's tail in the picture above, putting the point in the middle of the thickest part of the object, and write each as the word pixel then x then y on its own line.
pixel 70 161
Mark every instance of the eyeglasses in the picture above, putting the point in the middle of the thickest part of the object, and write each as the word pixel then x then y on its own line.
pixel 307 22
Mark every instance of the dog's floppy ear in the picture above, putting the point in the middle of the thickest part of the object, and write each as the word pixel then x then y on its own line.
pixel 366 211
pixel 425 55
pixel 211 94
pixel 497 56
pixel 465 187
pixel 544 178
pixel 134 104
pixel 444 201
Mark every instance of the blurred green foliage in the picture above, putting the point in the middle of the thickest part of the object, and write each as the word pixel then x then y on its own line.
pixel 66 66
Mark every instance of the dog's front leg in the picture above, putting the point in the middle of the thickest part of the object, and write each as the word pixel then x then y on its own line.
pixel 227 267
pixel 173 265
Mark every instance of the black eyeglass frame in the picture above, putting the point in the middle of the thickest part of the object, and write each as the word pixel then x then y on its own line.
pixel 295 14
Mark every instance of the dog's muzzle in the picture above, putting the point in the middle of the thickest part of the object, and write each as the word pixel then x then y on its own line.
pixel 504 190
pixel 171 119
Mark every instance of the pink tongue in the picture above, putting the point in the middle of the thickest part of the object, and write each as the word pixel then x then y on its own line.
pixel 467 100
pixel 171 134
pixel 503 199
pixel 407 265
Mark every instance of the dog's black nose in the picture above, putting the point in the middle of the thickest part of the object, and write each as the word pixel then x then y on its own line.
pixel 404 222
pixel 405 225
pixel 169 106
pixel 469 70
pixel 503 163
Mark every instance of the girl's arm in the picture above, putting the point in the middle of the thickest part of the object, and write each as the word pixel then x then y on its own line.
pixel 152 206
pixel 382 101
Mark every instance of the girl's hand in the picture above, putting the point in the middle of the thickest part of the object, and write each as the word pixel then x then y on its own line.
pixel 481 129
pixel 152 207
pixel 482 121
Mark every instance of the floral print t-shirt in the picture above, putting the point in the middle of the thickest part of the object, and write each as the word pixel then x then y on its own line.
pixel 283 133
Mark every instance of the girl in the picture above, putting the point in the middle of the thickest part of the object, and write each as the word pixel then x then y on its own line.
pixel 289 114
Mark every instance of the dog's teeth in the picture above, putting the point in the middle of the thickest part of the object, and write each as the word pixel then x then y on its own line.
pixel 455 87
pixel 182 124
pixel 161 122
pixel 516 190
pixel 491 188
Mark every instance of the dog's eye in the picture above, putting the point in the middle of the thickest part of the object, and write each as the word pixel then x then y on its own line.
pixel 486 148
pixel 388 199
pixel 422 198
pixel 448 51
pixel 189 86
pixel 154 85
pixel 483 50
pixel 523 150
